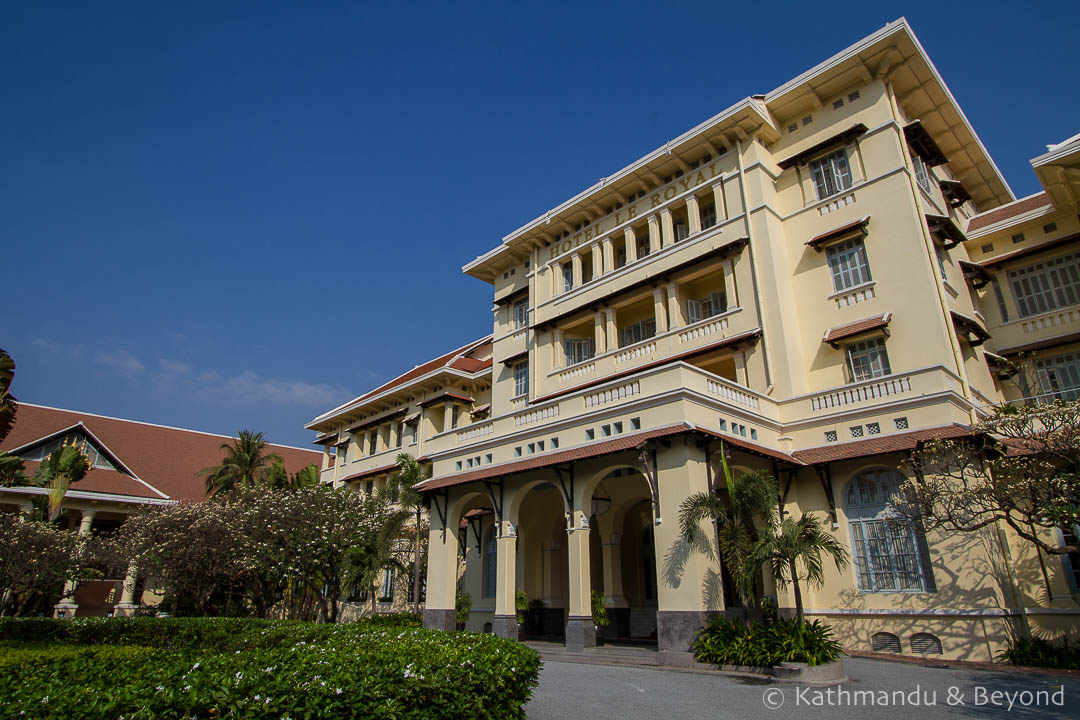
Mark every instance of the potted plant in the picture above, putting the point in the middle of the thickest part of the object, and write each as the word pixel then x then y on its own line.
pixel 521 604
pixel 599 614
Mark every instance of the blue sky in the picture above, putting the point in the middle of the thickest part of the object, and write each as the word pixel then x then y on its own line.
pixel 228 215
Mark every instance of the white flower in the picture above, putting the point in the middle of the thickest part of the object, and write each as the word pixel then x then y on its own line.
pixel 159 688
pixel 195 666
pixel 338 691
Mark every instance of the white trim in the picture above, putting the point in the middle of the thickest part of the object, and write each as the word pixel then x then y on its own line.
pixel 1042 211
pixel 87 495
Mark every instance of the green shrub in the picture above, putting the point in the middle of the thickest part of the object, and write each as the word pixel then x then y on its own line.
pixel 211 667
pixel 727 642
pixel 599 609
pixel 462 609
pixel 1036 652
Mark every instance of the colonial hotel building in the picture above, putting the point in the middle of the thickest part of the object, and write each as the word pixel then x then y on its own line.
pixel 815 280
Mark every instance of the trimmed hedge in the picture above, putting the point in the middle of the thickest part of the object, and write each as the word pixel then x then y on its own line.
pixel 213 667
pixel 727 642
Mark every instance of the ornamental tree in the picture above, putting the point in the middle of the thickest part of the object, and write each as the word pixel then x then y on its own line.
pixel 38 559
pixel 1020 466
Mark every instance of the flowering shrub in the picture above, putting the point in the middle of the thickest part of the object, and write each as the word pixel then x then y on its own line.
pixel 195 667
pixel 728 642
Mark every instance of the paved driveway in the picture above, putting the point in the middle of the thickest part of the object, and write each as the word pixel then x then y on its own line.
pixel 600 692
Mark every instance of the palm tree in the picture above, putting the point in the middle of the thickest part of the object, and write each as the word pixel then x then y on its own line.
pixel 8 404
pixel 243 465
pixel 751 501
pixel 66 465
pixel 279 478
pixel 410 474
pixel 783 547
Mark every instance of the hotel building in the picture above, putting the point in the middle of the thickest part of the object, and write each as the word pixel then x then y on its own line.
pixel 811 282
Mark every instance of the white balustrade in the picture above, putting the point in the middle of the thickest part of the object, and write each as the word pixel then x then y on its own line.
pixel 632 353
pixel 836 204
pixel 716 326
pixel 733 393
pixel 608 395
pixel 537 415
pixel 475 432
pixel 847 396
pixel 1050 320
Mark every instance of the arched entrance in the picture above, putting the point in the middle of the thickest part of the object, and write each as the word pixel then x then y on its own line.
pixel 543 566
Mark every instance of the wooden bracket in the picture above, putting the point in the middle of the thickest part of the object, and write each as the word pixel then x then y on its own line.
pixel 445 495
pixel 567 486
pixel 645 455
pixel 825 475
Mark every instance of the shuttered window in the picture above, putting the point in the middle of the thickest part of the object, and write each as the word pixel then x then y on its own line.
pixel 1047 286
pixel 831 174
pixel 847 261
pixel 890 551
pixel 1060 376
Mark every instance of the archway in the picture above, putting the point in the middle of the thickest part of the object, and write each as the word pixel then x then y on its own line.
pixel 542 567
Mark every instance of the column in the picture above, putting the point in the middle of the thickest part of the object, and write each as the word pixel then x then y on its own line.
pixel 127 604
pixel 693 214
pixel 600 332
pixel 506 624
pixel 630 238
pixel 675 308
pixel 67 605
pixel 719 201
pixel 395 434
pixel 559 354
pixel 576 265
pixel 442 573
pixel 552 570
pixel 740 369
pixel 613 584
pixel 658 310
pixel 448 417
pixel 654 234
pixel 730 286
pixel 580 631
pixel 686 589
pixel 597 261
pixel 667 227
pixel 612 328
pixel 26 510
pixel 609 253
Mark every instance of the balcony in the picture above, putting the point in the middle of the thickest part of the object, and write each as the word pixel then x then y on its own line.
pixel 1026 331
pixel 854 396
pixel 676 343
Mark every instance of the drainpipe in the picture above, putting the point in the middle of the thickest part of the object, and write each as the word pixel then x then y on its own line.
pixel 928 241
pixel 753 265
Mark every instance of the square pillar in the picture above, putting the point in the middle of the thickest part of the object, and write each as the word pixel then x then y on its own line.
pixel 654 234
pixel 719 201
pixel 658 310
pixel 597 261
pixel 667 227
pixel 127 605
pixel 740 369
pixel 557 346
pixel 693 214
pixel 730 286
pixel 580 630
pixel 442 573
pixel 675 307
pixel 611 547
pixel 630 238
pixel 612 328
pixel 505 624
pixel 576 265
pixel 684 590
pixel 448 417
pixel 608 248
pixel 600 332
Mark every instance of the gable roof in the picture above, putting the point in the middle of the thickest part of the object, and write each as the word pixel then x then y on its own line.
pixel 162 460
pixel 1005 212
pixel 454 360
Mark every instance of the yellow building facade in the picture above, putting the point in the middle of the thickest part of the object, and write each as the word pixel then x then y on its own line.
pixel 812 282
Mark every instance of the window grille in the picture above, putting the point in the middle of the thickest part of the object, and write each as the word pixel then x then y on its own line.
pixel 925 644
pixel 885 642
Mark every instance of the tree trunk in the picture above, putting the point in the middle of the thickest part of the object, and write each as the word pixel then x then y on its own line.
pixel 416 565
pixel 798 592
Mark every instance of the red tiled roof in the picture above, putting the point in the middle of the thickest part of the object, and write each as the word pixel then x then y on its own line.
pixel 449 360
pixel 836 232
pixel 109 482
pixel 835 334
pixel 164 458
pixel 597 449
pixel 1011 210
pixel 880 445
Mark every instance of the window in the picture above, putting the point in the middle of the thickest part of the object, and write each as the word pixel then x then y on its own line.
pixel 635 423
pixel 400 434
pixel 521 314
pixel 521 379
pixel 554 442
pixel 714 304
pixel 387 592
pixel 922 173
pixel 517 451
pixel 567 277
pixel 343 453
pixel 708 217
pixel 847 260
pixel 1060 376
pixel 590 434
pixel 831 174
pixel 868 359
pixel 940 261
pixel 540 445
pixel 455 412
pixel 578 351
pixel 1047 286
pixel 1049 227
pixel 605 431
pixel 532 448
pixel 636 332
pixel 890 552
pixel 490 565
pixel 682 232
pixel 412 434
pixel 373 439
pixel 643 246
pixel 901 423
pixel 1018 238
pixel 620 257
pixel 618 428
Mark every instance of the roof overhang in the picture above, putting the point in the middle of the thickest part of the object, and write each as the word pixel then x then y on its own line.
pixel 919 140
pixel 838 140
pixel 853 228
pixel 1058 170
pixel 944 227
pixel 1028 251
pixel 834 335
pixel 975 273
pixel 954 192
pixel 969 326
